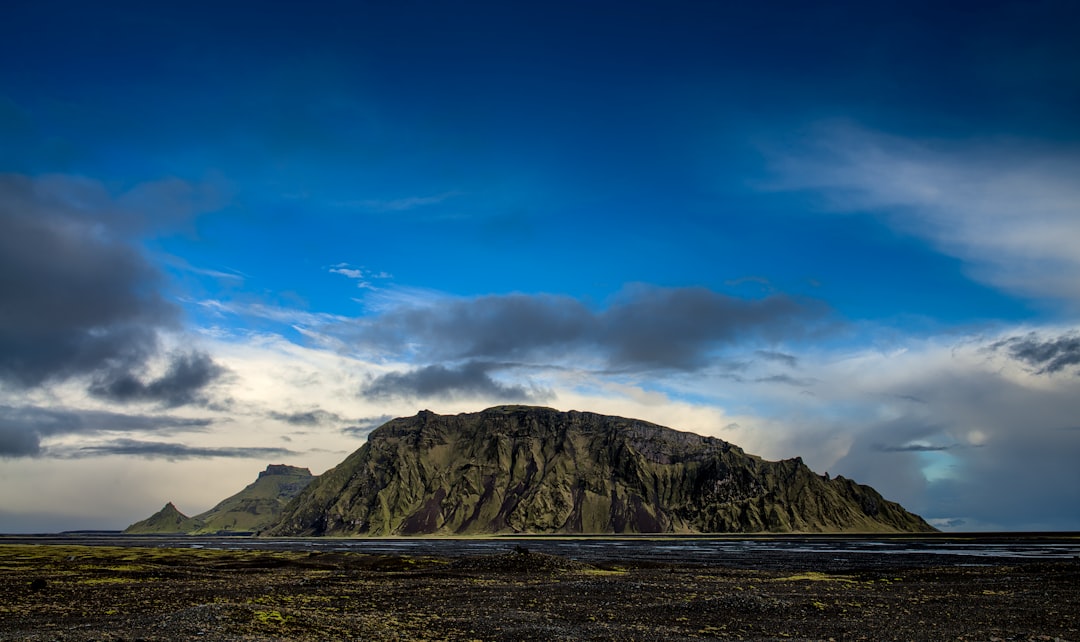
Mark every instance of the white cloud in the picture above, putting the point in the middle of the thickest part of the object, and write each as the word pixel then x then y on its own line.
pixel 351 273
pixel 956 428
pixel 288 316
pixel 1010 209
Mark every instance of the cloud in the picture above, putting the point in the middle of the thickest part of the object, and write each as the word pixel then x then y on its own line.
pixel 16 441
pixel 1047 355
pixel 307 418
pixel 183 265
pixel 1010 209
pixel 363 427
pixel 362 276
pixel 173 451
pixel 277 314
pixel 351 273
pixel 187 376
pixel 643 328
pixel 22 428
pixel 985 442
pixel 798 382
pixel 788 360
pixel 912 448
pixel 78 297
pixel 399 204
pixel 470 379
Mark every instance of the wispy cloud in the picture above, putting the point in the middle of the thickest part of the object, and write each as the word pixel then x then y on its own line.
pixel 1010 209
pixel 314 417
pixel 362 276
pixel 279 314
pixel 171 451
pixel 183 265
pixel 398 204
pixel 913 448
pixel 22 428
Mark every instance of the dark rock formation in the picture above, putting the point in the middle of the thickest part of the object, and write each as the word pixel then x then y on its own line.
pixel 517 469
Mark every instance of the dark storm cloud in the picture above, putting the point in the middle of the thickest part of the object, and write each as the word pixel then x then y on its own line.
pixel 16 441
pixel 471 378
pixel 676 328
pixel 166 450
pixel 76 296
pixel 1047 356
pixel 644 328
pixel 187 375
pixel 23 428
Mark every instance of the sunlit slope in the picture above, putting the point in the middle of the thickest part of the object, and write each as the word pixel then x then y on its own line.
pixel 517 469
pixel 167 521
pixel 260 503
pixel 254 508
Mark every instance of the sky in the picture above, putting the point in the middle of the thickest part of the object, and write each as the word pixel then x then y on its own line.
pixel 235 234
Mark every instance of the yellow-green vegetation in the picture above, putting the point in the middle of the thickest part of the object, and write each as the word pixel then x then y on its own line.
pixel 519 469
pixel 255 507
pixel 170 594
pixel 814 576
pixel 272 617
pixel 615 570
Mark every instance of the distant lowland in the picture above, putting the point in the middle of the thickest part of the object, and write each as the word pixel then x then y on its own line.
pixel 533 470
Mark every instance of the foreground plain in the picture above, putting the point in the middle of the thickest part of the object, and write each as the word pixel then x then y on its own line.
pixel 70 592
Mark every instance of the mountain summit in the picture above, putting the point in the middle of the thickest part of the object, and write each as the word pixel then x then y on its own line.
pixel 520 469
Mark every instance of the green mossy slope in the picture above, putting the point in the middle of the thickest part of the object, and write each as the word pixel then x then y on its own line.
pixel 518 469
pixel 167 521
pixel 254 508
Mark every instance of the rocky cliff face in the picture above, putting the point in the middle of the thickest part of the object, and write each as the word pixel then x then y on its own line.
pixel 516 469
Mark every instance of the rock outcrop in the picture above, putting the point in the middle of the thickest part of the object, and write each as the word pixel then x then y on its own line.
pixel 518 469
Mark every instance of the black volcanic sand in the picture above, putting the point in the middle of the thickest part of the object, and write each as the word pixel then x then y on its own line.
pixel 58 592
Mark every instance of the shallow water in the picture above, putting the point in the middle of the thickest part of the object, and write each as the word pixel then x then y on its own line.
pixel 782 551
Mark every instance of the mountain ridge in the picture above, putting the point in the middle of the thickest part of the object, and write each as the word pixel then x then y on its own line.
pixel 255 507
pixel 526 469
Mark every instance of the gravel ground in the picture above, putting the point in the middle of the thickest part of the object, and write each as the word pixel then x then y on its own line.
pixel 115 593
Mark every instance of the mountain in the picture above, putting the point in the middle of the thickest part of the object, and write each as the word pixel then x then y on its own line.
pixel 520 469
pixel 254 508
pixel 167 521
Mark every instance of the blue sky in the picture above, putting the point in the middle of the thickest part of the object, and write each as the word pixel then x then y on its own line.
pixel 237 233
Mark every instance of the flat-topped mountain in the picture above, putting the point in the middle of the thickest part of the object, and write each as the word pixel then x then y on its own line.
pixel 519 469
pixel 254 508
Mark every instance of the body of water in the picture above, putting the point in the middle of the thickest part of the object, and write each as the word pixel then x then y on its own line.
pixel 825 552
